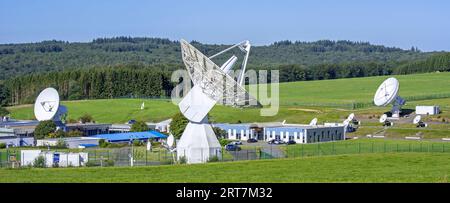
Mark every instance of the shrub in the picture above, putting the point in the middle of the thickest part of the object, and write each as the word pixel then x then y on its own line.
pixel 39 162
pixel 182 160
pixel 137 143
pixel 109 162
pixel 213 159
pixel 43 129
pixel 139 126
pixel 92 164
pixel 224 142
pixel 74 133
pixel 2 145
pixel 178 124
pixel 102 143
pixel 86 118
pixel 61 144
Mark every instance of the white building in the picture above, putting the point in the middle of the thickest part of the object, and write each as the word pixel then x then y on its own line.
pixel 60 159
pixel 298 133
pixel 427 110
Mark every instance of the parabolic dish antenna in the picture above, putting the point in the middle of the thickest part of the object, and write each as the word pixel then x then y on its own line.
pixel 417 119
pixel 211 85
pixel 383 118
pixel 313 122
pixel 47 106
pixel 351 116
pixel 387 93
pixel 170 141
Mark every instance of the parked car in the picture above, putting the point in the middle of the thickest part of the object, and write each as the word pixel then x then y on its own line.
pixel 232 147
pixel 276 141
pixel 131 122
pixel 291 142
pixel 236 143
pixel 252 140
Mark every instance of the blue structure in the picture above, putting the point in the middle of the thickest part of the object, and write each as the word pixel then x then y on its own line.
pixel 126 137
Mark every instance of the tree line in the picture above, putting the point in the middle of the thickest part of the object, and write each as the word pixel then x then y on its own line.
pixel 94 83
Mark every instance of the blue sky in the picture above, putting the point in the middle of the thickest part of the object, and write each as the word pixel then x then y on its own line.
pixel 425 24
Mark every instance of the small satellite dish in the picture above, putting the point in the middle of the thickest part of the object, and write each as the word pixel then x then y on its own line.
pixel 170 141
pixel 47 106
pixel 417 119
pixel 313 122
pixel 284 122
pixel 351 116
pixel 387 93
pixel 383 118
pixel 142 106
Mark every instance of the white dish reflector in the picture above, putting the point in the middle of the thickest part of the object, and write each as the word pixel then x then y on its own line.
pixel 170 141
pixel 46 105
pixel 383 118
pixel 313 122
pixel 386 92
pixel 417 119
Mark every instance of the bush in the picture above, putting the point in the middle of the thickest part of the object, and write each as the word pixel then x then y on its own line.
pixel 139 126
pixel 102 143
pixel 92 164
pixel 2 145
pixel 43 129
pixel 137 143
pixel 61 144
pixel 182 160
pixel 39 162
pixel 74 133
pixel 109 162
pixel 213 159
pixel 224 142
pixel 86 118
pixel 178 124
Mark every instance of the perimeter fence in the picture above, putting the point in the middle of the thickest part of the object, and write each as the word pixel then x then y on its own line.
pixel 104 157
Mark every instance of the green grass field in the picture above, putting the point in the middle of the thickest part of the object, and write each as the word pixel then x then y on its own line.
pixel 397 167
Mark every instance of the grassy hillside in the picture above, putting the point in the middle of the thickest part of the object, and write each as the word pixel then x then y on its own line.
pixel 295 98
pixel 401 167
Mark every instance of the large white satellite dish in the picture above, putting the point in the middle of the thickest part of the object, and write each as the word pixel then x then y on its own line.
pixel 47 106
pixel 313 122
pixel 387 93
pixel 211 85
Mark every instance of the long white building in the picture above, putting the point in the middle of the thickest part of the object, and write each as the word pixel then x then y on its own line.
pixel 270 131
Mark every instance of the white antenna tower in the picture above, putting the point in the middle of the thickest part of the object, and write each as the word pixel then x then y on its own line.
pixel 211 85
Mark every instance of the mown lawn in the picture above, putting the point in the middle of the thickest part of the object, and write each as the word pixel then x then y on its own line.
pixel 396 167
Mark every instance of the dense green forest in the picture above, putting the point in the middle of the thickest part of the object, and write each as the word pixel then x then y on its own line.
pixel 16 59
pixel 141 67
pixel 94 83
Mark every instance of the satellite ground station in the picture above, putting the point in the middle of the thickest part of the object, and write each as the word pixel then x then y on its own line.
pixel 47 107
pixel 387 93
pixel 418 122
pixel 212 84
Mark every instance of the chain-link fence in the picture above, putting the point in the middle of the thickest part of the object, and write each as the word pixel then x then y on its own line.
pixel 139 156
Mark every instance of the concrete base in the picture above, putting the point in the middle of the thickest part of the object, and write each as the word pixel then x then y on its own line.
pixel 198 143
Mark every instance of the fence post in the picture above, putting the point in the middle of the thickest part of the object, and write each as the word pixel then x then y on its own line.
pixel 384 147
pixel 146 152
pixel 372 147
pixel 397 147
pixel 443 150
pixel 359 148
pixel 420 147
pixel 409 148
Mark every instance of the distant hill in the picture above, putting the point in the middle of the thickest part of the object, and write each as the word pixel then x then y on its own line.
pixel 18 59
